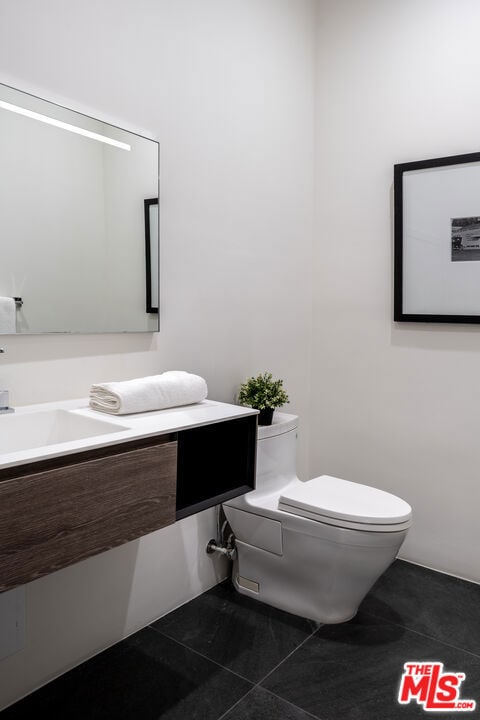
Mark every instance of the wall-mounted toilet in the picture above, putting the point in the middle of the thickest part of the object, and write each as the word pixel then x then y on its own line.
pixel 312 548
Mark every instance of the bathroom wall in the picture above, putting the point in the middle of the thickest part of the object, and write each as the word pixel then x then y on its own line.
pixel 228 89
pixel 395 405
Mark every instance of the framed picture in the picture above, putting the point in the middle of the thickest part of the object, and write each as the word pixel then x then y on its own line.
pixel 437 240
pixel 151 253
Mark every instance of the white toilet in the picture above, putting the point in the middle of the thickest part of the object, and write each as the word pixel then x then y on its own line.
pixel 312 548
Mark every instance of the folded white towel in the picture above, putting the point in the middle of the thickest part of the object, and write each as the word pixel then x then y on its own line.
pixel 155 392
pixel 8 316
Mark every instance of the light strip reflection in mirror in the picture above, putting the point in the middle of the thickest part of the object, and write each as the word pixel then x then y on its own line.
pixel 65 126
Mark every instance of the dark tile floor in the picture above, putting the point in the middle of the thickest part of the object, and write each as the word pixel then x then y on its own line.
pixel 225 656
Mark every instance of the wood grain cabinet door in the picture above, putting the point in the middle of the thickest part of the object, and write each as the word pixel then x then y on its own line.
pixel 56 517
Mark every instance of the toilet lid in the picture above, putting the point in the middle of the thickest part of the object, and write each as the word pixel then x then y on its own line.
pixel 346 503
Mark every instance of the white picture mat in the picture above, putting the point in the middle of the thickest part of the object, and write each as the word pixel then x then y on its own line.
pixel 432 283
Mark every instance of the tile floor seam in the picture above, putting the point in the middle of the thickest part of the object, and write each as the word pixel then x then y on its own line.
pixel 205 657
pixel 269 692
pixel 422 634
pixel 286 657
pixel 242 677
pixel 288 702
pixel 236 703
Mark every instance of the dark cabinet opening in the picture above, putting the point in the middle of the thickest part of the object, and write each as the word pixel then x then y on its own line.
pixel 215 463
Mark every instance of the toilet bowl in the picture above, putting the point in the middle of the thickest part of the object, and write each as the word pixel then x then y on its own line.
pixel 311 548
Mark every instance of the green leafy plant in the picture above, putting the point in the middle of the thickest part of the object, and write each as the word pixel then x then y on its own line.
pixel 262 392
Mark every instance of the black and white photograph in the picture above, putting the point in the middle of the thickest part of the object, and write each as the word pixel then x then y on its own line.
pixel 465 239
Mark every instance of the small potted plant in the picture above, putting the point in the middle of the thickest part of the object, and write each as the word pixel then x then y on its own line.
pixel 263 393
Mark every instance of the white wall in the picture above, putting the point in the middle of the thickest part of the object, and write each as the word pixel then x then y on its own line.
pixel 228 89
pixel 395 405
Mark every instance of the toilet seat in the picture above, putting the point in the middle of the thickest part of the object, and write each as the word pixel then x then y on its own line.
pixel 346 504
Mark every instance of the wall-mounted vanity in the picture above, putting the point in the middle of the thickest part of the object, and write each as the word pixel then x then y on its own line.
pixel 75 483
pixel 73 220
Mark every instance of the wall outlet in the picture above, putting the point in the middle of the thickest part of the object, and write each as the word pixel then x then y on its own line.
pixel 12 622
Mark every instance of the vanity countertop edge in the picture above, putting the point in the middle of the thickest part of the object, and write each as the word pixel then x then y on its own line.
pixel 130 427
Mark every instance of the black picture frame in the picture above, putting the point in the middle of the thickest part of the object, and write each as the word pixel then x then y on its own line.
pixel 151 267
pixel 423 249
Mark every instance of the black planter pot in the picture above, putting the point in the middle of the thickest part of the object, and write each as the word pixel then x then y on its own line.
pixel 266 416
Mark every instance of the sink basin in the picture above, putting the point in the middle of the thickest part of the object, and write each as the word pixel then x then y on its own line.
pixel 50 427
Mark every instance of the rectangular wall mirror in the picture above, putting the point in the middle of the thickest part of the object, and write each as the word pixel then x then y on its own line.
pixel 72 222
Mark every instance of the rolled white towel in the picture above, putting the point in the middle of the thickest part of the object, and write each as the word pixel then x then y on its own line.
pixel 155 392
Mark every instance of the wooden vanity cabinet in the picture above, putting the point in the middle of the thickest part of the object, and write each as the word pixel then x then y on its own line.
pixel 54 513
pixel 91 502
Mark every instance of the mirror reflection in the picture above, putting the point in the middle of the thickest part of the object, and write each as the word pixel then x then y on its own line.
pixel 73 251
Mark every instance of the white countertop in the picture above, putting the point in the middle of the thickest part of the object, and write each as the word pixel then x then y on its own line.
pixel 130 427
